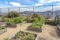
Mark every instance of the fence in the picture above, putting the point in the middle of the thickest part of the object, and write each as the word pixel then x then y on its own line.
pixel 50 11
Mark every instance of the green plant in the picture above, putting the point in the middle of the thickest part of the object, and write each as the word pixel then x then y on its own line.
pixel 35 15
pixel 6 39
pixel 18 20
pixel 38 22
pixel 36 25
pixel 29 18
pixel 25 36
pixel 31 36
pixel 1 27
pixel 57 20
pixel 12 14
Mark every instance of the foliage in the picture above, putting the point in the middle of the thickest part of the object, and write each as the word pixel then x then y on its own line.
pixel 38 22
pixel 25 36
pixel 12 14
pixel 57 20
pixel 6 39
pixel 12 18
pixel 18 20
pixel 29 18
pixel 53 22
pixel 35 15
pixel 50 22
pixel 33 18
pixel 1 27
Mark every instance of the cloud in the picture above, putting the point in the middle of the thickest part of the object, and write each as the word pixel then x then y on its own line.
pixel 43 2
pixel 15 4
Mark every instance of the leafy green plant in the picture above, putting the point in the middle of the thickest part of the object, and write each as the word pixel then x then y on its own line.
pixel 38 22
pixel 1 27
pixel 18 20
pixel 25 36
pixel 12 14
pixel 57 20
pixel 31 37
pixel 29 18
pixel 35 15
pixel 6 39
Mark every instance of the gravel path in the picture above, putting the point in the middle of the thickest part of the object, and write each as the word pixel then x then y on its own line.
pixel 48 33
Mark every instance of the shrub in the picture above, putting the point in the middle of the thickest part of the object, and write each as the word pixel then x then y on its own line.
pixel 6 39
pixel 12 14
pixel 36 25
pixel 25 36
pixel 50 22
pixel 57 20
pixel 8 20
pixel 33 18
pixel 18 20
pixel 35 15
pixel 1 27
pixel 29 18
pixel 38 22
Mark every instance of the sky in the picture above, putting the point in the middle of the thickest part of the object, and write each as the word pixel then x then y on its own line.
pixel 26 3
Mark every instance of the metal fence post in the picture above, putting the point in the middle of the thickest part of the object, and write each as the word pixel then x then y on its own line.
pixel 0 10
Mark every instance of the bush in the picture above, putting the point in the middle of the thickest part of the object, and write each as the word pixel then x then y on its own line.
pixel 29 19
pixel 35 15
pixel 1 27
pixel 50 22
pixel 18 20
pixel 38 22
pixel 36 25
pixel 33 18
pixel 25 36
pixel 13 20
pixel 12 14
pixel 57 20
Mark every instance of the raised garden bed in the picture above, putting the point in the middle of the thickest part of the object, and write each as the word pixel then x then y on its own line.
pixel 35 29
pixel 2 30
pixel 24 36
pixel 11 25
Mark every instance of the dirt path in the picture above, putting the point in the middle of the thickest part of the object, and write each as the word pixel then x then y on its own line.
pixel 48 33
pixel 12 31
